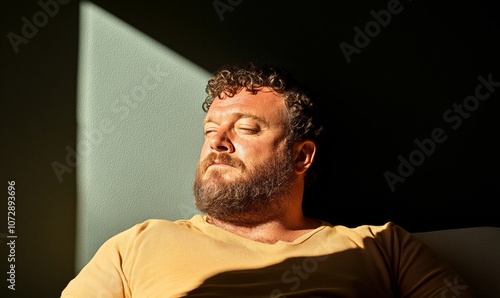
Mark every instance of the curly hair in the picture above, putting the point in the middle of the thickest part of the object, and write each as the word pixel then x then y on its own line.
pixel 303 116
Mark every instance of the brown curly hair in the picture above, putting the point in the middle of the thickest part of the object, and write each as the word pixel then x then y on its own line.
pixel 303 115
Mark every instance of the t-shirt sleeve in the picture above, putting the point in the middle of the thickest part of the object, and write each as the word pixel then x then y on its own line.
pixel 419 271
pixel 103 276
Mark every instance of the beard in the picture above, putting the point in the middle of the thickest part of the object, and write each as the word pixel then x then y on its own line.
pixel 257 195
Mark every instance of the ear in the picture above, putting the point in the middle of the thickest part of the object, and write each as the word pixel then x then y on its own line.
pixel 303 154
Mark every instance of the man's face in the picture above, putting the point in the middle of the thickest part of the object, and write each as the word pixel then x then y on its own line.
pixel 245 167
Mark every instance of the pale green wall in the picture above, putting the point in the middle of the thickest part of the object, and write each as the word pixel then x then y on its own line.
pixel 139 130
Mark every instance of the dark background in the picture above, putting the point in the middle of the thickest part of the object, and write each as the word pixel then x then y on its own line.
pixel 427 58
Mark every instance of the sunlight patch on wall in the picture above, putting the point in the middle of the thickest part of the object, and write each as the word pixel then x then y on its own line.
pixel 139 130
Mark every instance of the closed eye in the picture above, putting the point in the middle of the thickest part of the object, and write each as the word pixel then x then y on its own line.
pixel 248 130
pixel 209 132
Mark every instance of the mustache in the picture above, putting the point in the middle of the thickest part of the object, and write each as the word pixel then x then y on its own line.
pixel 221 158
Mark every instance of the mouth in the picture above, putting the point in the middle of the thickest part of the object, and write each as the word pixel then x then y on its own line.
pixel 219 164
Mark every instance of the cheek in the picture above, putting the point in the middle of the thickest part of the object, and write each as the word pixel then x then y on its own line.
pixel 243 149
pixel 254 153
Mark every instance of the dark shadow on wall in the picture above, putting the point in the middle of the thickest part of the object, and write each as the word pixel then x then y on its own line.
pixel 406 81
pixel 38 64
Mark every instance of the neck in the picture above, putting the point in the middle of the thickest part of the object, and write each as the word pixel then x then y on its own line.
pixel 286 228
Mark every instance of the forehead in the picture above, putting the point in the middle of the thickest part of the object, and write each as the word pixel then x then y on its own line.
pixel 265 105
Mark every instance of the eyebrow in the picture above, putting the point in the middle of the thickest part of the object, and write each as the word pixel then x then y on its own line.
pixel 243 116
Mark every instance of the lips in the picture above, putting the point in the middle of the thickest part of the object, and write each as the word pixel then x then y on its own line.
pixel 221 160
pixel 218 163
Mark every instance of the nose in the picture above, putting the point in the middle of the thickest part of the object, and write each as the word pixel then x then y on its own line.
pixel 220 142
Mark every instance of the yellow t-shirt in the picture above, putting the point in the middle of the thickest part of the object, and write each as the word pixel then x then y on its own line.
pixel 191 258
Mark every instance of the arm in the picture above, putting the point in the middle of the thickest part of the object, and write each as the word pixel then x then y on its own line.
pixel 419 272
pixel 103 276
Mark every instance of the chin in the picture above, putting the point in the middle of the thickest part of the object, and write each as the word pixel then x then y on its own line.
pixel 220 175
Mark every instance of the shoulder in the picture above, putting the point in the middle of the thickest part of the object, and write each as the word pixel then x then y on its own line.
pixel 151 229
pixel 383 234
pixel 370 231
pixel 160 226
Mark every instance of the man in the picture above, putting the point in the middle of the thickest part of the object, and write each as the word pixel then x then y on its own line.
pixel 253 239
